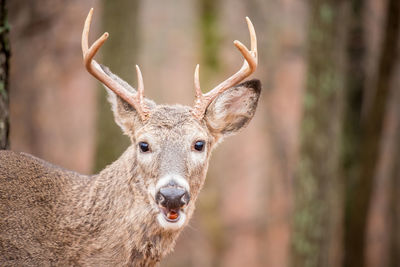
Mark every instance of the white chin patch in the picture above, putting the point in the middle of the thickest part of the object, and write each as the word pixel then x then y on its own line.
pixel 171 225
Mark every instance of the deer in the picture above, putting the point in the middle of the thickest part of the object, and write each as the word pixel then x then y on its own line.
pixel 132 212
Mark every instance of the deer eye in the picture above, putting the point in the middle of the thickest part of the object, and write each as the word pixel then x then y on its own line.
pixel 199 145
pixel 144 147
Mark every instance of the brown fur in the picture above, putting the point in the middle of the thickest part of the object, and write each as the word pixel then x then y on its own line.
pixel 52 216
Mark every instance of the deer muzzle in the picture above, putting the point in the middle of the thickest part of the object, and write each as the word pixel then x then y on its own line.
pixel 171 200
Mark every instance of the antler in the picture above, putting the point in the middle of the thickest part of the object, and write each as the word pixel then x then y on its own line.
pixel 137 101
pixel 202 101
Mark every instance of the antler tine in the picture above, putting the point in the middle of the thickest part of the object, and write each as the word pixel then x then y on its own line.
pixel 249 66
pixel 197 82
pixel 253 36
pixel 140 92
pixel 94 68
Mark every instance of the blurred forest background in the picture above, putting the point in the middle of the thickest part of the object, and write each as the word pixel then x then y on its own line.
pixel 315 178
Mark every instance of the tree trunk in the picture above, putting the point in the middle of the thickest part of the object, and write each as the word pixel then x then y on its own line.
pixel 318 193
pixel 394 207
pixel 53 97
pixel 254 169
pixel 120 54
pixel 354 95
pixel 360 182
pixel 4 89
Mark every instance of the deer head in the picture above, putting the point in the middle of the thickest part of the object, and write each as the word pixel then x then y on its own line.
pixel 172 144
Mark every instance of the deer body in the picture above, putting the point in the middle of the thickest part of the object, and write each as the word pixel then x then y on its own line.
pixel 131 213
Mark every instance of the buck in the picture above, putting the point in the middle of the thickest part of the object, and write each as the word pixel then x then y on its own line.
pixel 131 213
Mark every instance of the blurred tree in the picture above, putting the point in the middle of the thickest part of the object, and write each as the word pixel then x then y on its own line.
pixel 394 207
pixel 317 187
pixel 361 170
pixel 120 54
pixel 254 169
pixel 354 94
pixel 4 89
pixel 52 97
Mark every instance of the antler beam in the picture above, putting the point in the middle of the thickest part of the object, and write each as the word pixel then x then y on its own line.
pixel 137 101
pixel 202 101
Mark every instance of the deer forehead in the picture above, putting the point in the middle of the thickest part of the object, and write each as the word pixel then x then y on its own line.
pixel 172 123
pixel 171 132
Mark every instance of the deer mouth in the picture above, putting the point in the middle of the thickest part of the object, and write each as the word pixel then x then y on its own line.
pixel 171 215
pixel 171 219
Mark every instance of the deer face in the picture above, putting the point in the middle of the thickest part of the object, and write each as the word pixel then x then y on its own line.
pixel 173 144
pixel 172 153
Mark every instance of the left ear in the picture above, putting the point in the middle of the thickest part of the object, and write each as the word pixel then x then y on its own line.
pixel 233 109
pixel 125 115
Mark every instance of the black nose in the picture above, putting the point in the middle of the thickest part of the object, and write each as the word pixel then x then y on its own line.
pixel 172 197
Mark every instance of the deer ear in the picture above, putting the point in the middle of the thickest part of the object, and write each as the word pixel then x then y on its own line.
pixel 233 109
pixel 125 115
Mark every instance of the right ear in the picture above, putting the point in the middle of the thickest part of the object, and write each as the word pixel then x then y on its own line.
pixel 125 115
pixel 233 109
